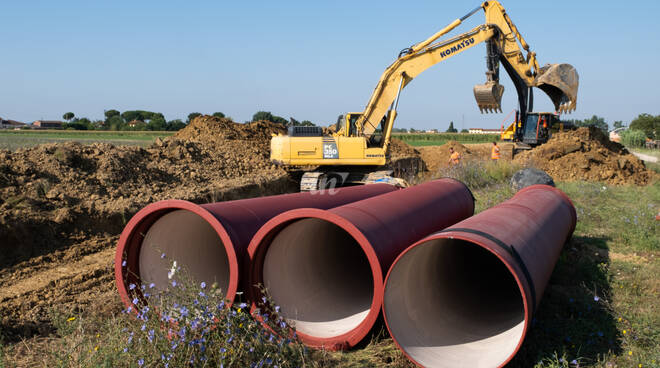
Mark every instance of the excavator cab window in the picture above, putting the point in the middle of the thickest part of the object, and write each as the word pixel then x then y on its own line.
pixel 352 130
pixel 376 139
pixel 340 123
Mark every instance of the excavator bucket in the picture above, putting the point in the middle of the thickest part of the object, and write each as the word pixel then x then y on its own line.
pixel 489 96
pixel 560 82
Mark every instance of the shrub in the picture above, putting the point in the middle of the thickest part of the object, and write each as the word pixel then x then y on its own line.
pixel 633 138
pixel 186 324
pixel 479 174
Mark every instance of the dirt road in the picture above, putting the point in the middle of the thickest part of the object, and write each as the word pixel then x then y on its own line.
pixel 645 157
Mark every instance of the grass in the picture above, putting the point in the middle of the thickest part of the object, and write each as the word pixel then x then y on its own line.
pixel 646 151
pixel 599 309
pixel 438 139
pixel 14 139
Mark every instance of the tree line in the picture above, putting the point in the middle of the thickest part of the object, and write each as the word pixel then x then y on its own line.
pixel 137 120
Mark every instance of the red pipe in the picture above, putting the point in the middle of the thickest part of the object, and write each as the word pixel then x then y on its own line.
pixel 325 268
pixel 209 240
pixel 464 297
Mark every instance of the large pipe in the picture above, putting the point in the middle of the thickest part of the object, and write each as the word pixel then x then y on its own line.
pixel 325 268
pixel 209 241
pixel 464 297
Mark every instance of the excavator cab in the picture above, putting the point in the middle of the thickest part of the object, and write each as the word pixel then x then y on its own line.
pixel 537 128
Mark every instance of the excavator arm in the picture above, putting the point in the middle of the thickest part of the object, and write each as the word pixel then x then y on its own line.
pixel 505 44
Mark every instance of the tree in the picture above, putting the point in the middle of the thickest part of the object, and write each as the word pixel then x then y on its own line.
pixel 131 115
pixel 80 124
pixel 647 123
pixel 115 123
pixel 110 113
pixel 68 116
pixel 465 131
pixel 175 125
pixel 193 115
pixel 413 130
pixel 595 121
pixel 306 123
pixel 618 124
pixel 266 115
pixel 218 115
pixel 451 128
pixel 262 115
pixel 157 123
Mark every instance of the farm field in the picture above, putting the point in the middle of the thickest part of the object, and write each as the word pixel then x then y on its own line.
pixel 438 139
pixel 14 139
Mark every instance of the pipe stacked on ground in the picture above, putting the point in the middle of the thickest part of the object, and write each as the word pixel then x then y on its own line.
pixel 325 268
pixel 464 297
pixel 210 240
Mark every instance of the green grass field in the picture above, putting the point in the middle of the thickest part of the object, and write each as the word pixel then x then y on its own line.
pixel 14 139
pixel 438 139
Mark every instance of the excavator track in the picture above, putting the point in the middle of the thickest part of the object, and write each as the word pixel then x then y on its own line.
pixel 322 180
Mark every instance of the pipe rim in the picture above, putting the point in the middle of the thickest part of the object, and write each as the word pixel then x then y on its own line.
pixel 146 217
pixel 257 253
pixel 460 236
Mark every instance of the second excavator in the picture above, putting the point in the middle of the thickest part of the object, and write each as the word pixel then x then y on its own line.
pixel 356 152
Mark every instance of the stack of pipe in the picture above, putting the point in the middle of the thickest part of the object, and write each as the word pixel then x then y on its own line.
pixel 460 290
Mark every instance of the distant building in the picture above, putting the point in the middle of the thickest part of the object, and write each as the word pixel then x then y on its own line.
pixel 136 123
pixel 48 124
pixel 484 131
pixel 11 124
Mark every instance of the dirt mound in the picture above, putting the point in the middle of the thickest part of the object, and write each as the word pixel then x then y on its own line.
pixel 405 161
pixel 437 157
pixel 587 154
pixel 210 129
pixel 55 197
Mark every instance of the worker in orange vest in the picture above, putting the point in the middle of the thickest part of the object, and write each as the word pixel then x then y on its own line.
pixel 454 157
pixel 495 152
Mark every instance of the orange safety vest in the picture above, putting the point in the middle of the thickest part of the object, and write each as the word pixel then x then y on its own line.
pixel 455 157
pixel 495 153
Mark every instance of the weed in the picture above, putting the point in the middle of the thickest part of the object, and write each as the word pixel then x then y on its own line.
pixel 187 324
pixel 480 174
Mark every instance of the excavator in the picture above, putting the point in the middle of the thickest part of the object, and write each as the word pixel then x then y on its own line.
pixel 354 153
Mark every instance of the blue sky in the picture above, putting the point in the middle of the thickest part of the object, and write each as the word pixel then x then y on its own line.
pixel 309 60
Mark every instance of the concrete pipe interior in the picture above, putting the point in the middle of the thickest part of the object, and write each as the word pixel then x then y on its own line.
pixel 320 277
pixel 452 303
pixel 191 241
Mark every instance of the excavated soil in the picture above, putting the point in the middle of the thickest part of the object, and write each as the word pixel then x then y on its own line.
pixel 404 160
pixel 587 154
pixel 437 157
pixel 63 205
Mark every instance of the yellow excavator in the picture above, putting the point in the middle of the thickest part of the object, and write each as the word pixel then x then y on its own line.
pixel 353 153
